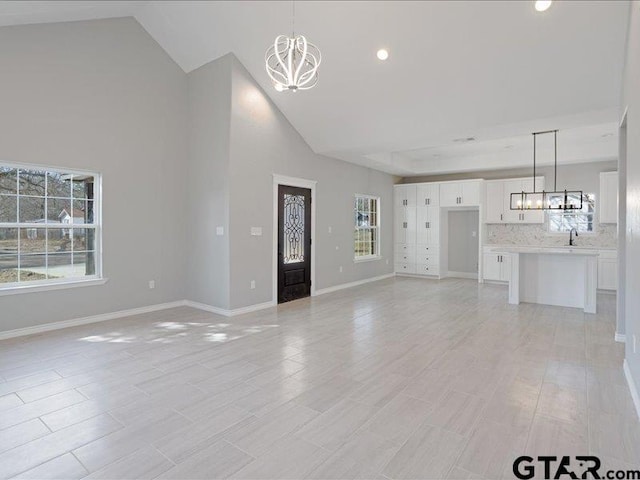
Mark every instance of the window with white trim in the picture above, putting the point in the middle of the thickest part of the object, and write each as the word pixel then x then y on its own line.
pixel 367 231
pixel 49 226
pixel 562 221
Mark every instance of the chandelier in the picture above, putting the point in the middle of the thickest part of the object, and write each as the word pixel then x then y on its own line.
pixel 555 200
pixel 292 62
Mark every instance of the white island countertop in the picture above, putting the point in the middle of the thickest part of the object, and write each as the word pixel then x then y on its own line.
pixel 546 248
pixel 561 276
pixel 553 250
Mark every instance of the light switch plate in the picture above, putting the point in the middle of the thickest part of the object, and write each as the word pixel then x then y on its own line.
pixel 219 230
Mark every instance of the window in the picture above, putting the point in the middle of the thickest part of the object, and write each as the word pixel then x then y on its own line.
pixel 367 223
pixel 583 221
pixel 49 226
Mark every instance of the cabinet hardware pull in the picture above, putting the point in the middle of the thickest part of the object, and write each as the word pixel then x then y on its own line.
pixel 500 216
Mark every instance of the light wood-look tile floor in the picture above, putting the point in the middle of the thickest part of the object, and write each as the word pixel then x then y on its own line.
pixel 402 378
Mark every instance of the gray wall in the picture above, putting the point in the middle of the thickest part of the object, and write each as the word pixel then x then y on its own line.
pixel 180 156
pixel 463 244
pixel 631 100
pixel 263 142
pixel 208 267
pixel 102 96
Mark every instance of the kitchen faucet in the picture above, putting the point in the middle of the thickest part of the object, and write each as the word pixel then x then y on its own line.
pixel 571 236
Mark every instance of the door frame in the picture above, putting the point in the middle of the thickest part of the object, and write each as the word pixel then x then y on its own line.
pixel 301 183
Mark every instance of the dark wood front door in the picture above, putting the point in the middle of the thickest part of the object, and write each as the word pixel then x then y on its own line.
pixel 294 243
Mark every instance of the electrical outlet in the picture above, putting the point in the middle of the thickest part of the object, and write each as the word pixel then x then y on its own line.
pixel 329 229
pixel 152 284
pixel 387 261
pixel 340 268
pixel 253 284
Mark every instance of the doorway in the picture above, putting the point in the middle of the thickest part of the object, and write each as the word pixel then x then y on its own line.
pixel 294 243
pixel 463 243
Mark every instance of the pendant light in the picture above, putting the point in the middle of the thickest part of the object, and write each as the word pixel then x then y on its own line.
pixel 292 62
pixel 543 200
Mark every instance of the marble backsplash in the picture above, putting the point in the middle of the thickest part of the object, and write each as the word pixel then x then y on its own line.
pixel 605 236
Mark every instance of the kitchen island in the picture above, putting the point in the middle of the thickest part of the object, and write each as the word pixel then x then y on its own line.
pixel 560 276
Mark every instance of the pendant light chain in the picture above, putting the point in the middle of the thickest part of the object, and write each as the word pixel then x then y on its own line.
pixel 555 160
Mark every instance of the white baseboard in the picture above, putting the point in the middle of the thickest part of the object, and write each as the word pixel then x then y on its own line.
pixel 47 327
pixel 620 337
pixel 473 276
pixel 635 395
pixel 228 313
pixel 342 286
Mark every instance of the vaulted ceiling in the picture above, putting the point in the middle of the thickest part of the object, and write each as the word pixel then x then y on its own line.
pixel 491 70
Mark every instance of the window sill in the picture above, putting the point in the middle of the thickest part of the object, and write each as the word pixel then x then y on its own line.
pixel 367 259
pixel 45 287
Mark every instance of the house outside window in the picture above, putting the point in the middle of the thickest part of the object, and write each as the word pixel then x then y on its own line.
pixel 367 227
pixel 49 227
pixel 562 221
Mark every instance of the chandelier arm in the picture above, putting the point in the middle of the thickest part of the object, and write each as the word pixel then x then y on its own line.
pixel 302 40
pixel 273 72
pixel 291 55
pixel 278 53
pixel 306 76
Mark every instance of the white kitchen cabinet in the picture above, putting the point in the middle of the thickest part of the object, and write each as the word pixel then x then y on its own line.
pixel 608 203
pixel 428 226
pixel 496 266
pixel 428 195
pixel 405 225
pixel 460 194
pixel 417 229
pixel 608 270
pixel 405 195
pixel 494 202
pixel 498 201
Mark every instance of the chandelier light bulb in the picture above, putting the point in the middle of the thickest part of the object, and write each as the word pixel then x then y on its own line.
pixel 542 5
pixel 292 63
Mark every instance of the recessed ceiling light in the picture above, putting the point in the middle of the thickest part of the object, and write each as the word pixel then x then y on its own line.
pixel 382 54
pixel 542 5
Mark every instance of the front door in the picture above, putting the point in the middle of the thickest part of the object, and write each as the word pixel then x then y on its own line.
pixel 294 243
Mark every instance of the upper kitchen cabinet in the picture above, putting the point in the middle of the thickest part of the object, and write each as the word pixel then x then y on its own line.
pixel 405 195
pixel 498 201
pixel 428 195
pixel 608 197
pixel 460 194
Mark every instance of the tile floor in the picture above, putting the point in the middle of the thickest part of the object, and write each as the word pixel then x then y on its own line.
pixel 402 378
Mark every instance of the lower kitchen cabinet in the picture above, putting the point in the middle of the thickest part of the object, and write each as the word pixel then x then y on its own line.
pixel 608 270
pixel 496 266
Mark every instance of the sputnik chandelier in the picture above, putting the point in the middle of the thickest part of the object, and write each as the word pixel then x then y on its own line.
pixel 292 62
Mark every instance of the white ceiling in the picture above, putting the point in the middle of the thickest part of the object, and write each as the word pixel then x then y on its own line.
pixel 493 70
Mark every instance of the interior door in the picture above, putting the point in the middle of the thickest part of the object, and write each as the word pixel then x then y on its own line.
pixel 294 243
